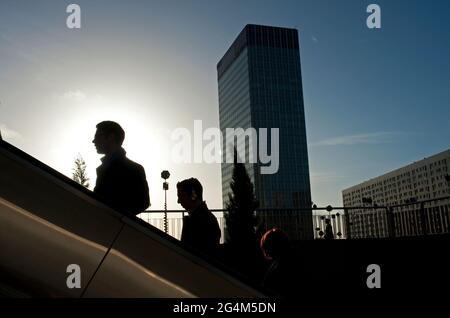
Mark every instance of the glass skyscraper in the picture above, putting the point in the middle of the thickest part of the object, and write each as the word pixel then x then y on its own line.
pixel 260 86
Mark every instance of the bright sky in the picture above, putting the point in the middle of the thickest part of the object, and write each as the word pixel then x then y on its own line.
pixel 375 100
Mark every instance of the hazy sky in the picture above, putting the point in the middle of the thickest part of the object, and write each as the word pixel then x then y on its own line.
pixel 375 100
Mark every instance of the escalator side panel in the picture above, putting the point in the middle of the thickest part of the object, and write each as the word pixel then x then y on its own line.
pixel 45 226
pixel 141 265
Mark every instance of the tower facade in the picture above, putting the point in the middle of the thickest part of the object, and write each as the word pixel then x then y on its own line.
pixel 260 87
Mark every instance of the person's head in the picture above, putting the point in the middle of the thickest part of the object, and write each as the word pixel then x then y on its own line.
pixel 108 137
pixel 190 193
pixel 274 243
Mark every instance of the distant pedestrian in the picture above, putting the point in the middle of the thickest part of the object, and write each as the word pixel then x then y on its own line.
pixel 328 230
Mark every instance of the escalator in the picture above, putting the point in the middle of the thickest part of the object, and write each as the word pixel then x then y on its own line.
pixel 49 223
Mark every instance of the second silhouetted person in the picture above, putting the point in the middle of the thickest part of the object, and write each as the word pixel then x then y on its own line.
pixel 121 183
pixel 200 228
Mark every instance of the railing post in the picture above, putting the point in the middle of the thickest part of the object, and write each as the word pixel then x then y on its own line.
pixel 348 231
pixel 375 214
pixel 423 219
pixel 390 222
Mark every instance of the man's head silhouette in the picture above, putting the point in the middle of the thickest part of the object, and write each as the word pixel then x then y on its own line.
pixel 190 193
pixel 108 137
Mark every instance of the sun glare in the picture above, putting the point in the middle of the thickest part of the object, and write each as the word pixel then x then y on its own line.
pixel 143 137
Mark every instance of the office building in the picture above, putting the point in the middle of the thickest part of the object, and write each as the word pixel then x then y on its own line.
pixel 401 191
pixel 260 86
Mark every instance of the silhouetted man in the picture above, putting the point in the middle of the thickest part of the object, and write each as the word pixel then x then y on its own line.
pixel 200 228
pixel 121 183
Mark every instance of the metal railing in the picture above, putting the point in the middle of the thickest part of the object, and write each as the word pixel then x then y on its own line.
pixel 410 219
pixel 173 222
pixel 419 218
pixel 297 223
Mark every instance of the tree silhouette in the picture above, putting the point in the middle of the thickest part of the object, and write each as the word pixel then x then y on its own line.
pixel 240 212
pixel 242 246
pixel 79 172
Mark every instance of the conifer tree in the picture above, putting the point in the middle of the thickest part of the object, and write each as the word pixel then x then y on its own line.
pixel 79 172
pixel 240 215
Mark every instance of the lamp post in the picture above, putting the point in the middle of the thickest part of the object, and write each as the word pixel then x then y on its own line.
pixel 165 175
